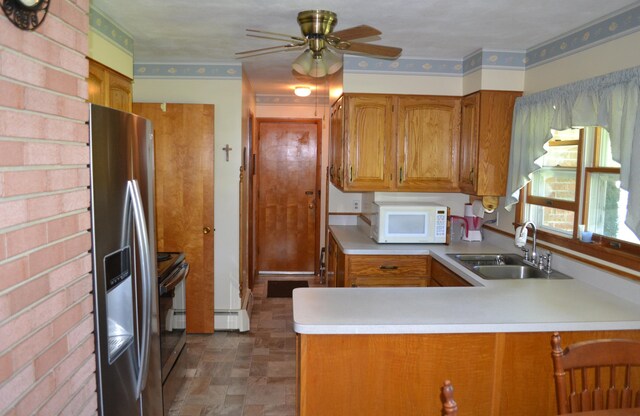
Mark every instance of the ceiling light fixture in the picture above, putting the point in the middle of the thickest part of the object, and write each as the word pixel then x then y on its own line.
pixel 317 64
pixel 302 91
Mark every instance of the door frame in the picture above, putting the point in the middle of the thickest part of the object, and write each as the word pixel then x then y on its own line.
pixel 317 187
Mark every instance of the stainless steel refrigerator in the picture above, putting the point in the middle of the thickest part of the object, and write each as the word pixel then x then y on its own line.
pixel 124 264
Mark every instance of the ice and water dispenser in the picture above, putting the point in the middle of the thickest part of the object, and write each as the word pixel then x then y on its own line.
pixel 120 302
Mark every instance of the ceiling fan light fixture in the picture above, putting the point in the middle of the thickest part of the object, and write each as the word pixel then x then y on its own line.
pixel 318 69
pixel 302 91
pixel 332 61
pixel 303 63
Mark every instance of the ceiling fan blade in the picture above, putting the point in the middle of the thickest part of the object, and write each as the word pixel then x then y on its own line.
pixel 281 36
pixel 270 49
pixel 356 32
pixel 380 51
pixel 297 43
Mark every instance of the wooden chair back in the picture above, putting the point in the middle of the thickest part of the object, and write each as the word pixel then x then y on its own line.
pixel 596 375
pixel 449 406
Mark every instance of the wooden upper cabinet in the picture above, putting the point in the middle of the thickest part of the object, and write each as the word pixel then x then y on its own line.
pixel 368 143
pixel 427 140
pixel 336 144
pixel 485 139
pixel 108 87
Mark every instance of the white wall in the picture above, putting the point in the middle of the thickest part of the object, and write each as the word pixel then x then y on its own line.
pixel 226 96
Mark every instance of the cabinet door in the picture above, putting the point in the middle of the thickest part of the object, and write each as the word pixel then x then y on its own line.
pixel 97 84
pixel 120 92
pixel 442 276
pixel 336 148
pixel 427 140
pixel 368 138
pixel 469 143
pixel 332 261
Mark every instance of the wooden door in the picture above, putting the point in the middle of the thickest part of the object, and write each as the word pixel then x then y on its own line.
pixel 469 143
pixel 288 188
pixel 428 136
pixel 369 143
pixel 184 197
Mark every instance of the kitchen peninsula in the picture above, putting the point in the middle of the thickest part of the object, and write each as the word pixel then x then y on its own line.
pixel 383 351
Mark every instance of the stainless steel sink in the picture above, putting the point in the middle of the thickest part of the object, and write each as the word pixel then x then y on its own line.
pixel 503 266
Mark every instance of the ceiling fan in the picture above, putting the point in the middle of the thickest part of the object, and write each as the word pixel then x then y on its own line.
pixel 320 42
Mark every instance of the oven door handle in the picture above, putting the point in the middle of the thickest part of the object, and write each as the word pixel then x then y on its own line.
pixel 174 278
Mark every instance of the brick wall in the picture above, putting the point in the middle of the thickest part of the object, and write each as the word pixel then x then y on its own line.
pixel 46 325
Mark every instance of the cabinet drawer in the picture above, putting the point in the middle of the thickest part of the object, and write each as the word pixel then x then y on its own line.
pixel 441 276
pixel 386 266
pixel 390 281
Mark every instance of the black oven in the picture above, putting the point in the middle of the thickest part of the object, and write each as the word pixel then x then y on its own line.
pixel 172 273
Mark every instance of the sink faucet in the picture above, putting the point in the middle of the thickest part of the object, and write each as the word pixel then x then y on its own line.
pixel 533 258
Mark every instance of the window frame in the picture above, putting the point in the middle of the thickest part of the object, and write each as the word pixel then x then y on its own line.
pixel 619 252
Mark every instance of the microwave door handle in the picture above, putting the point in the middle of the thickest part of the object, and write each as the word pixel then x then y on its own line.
pixel 145 267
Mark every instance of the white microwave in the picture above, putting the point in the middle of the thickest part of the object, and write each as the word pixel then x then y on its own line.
pixel 409 222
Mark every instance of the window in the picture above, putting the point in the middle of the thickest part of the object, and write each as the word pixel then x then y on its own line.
pixel 579 183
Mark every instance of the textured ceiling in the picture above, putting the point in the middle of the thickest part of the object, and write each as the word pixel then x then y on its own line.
pixel 211 31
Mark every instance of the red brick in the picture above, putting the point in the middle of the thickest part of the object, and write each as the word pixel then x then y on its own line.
pixel 39 392
pixel 6 367
pixel 78 405
pixel 60 179
pixel 13 272
pixel 3 245
pixel 26 239
pixel 46 258
pixel 62 33
pixel 47 360
pixel 70 14
pixel 85 221
pixel 15 330
pixel 13 213
pixel 11 95
pixel 28 294
pixel 76 200
pixel 73 62
pixel 64 275
pixel 61 82
pixel 79 289
pixel 44 206
pixel 75 155
pixel 20 124
pixel 82 334
pixel 62 227
pixel 11 153
pixel 5 307
pixel 11 37
pixel 24 182
pixel 71 317
pixel 74 360
pixel 77 245
pixel 73 108
pixel 32 346
pixel 41 154
pixel 16 386
pixel 21 68
pixel 40 100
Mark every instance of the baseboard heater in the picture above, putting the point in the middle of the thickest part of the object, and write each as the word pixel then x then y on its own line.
pixel 234 319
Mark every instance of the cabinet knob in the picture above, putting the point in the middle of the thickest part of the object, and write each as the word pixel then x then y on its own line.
pixel 206 230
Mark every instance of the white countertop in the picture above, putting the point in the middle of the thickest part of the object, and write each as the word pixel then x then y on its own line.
pixel 529 305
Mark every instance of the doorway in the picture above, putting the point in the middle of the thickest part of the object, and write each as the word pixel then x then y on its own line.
pixel 288 196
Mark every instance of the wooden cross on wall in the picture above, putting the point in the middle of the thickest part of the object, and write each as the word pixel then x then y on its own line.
pixel 227 149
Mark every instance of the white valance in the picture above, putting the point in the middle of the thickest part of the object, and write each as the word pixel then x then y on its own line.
pixel 610 101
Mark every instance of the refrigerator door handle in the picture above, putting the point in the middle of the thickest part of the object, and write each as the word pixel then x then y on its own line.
pixel 145 266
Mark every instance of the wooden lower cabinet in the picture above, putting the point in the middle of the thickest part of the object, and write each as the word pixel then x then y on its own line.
pixel 493 374
pixel 443 277
pixel 382 270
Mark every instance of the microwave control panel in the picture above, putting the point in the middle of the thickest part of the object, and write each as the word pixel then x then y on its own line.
pixel 441 224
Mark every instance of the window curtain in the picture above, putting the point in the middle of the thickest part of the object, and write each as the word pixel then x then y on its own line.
pixel 610 101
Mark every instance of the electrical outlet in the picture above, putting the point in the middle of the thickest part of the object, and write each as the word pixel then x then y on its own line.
pixel 356 205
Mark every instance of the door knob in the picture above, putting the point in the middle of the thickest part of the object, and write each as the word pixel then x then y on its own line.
pixel 206 230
